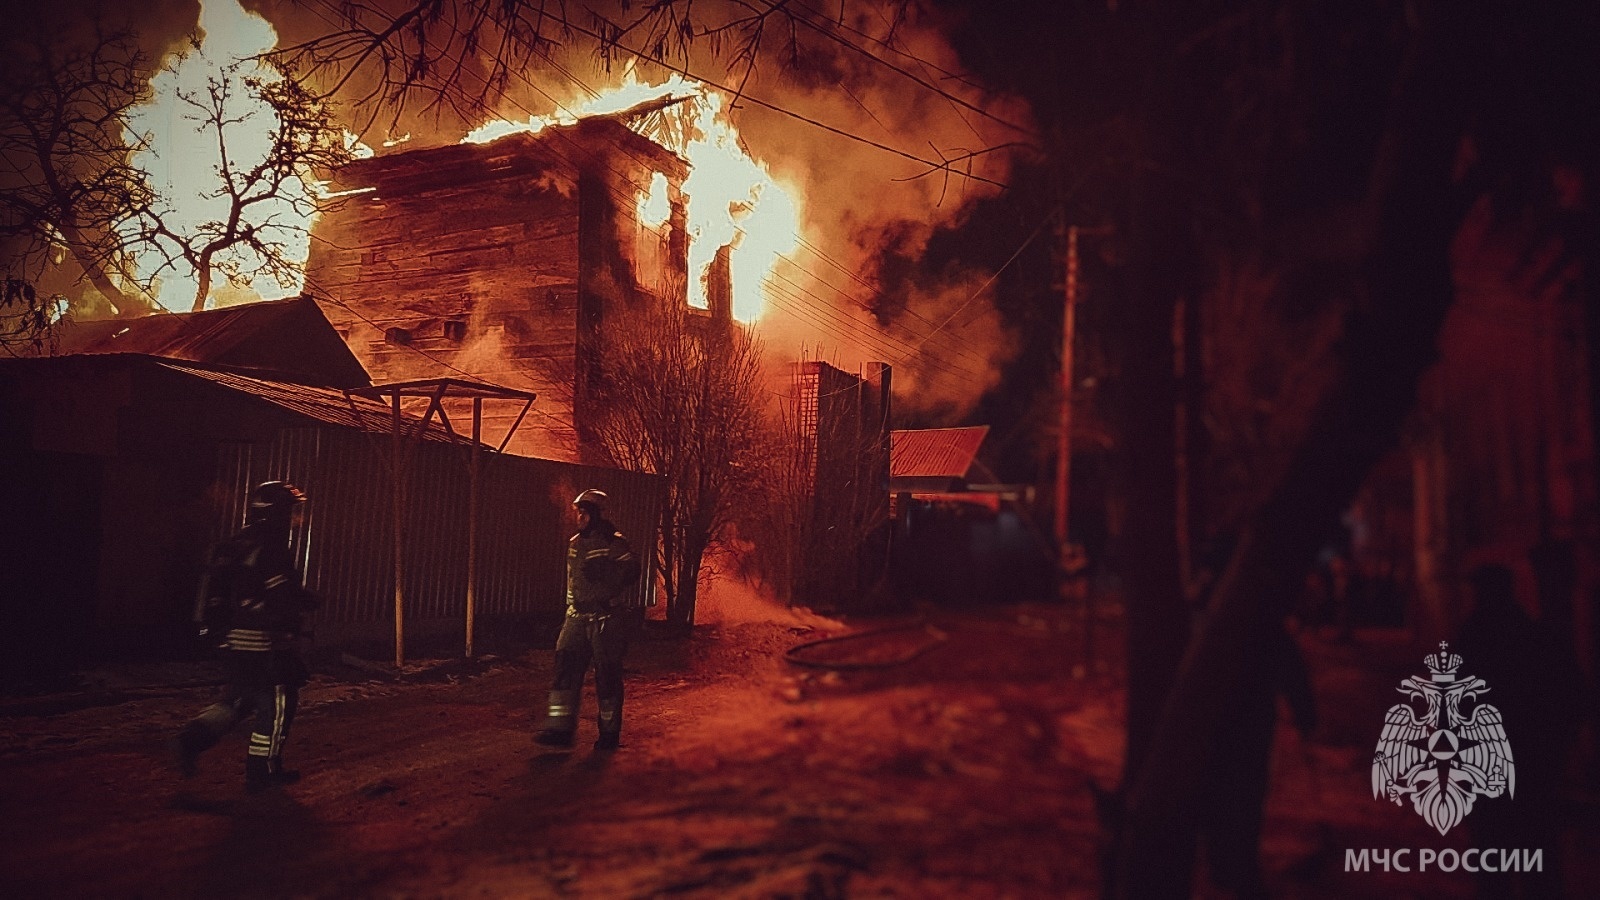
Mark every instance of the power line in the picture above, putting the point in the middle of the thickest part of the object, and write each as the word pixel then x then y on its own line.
pixel 590 33
pixel 989 281
pixel 901 347
pixel 861 304
pixel 870 341
pixel 834 36
pixel 840 23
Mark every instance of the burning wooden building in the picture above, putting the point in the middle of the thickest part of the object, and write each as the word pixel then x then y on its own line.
pixel 506 261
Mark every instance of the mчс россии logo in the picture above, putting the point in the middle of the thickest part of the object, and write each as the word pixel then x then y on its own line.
pixel 1442 758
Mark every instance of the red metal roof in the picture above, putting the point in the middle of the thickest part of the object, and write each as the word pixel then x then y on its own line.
pixel 934 452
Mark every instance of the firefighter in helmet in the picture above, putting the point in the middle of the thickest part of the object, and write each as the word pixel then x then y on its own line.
pixel 602 611
pixel 251 607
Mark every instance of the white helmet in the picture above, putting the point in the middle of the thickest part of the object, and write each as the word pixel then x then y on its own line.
pixel 592 499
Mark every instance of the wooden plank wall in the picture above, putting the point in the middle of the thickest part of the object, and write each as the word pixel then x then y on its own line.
pixel 485 255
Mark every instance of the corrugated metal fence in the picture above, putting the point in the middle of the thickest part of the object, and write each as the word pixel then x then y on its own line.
pixel 345 545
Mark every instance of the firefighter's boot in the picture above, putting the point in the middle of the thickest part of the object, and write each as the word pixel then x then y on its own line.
pixel 187 746
pixel 201 734
pixel 610 721
pixel 560 721
pixel 262 773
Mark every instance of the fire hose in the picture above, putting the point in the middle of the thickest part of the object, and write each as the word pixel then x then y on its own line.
pixel 935 637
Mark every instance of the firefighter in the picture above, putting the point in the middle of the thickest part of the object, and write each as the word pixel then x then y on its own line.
pixel 251 607
pixel 602 612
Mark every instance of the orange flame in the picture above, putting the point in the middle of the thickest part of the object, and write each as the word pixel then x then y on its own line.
pixel 732 198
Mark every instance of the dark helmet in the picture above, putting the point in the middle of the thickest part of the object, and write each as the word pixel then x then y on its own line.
pixel 274 501
pixel 591 501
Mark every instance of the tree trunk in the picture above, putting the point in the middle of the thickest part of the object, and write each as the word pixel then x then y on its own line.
pixel 127 305
pixel 1157 616
pixel 1160 272
pixel 202 277
pixel 1388 345
pixel 690 555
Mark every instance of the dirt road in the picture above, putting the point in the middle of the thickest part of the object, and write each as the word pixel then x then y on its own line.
pixel 963 771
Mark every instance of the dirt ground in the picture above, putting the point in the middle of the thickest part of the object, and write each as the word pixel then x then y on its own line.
pixel 949 757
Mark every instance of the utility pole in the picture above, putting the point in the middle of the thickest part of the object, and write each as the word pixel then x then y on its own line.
pixel 1064 433
pixel 1070 562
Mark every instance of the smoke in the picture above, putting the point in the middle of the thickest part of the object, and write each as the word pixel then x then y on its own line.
pixel 858 286
pixel 728 600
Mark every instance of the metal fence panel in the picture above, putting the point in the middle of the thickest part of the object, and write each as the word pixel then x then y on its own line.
pixel 346 542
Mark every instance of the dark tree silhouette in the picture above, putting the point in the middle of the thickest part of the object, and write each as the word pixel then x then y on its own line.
pixel 71 187
pixel 248 238
pixel 68 186
pixel 681 396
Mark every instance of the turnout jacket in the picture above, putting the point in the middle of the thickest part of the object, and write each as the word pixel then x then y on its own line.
pixel 602 572
pixel 250 596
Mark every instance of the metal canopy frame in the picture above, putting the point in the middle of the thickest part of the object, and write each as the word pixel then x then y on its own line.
pixel 436 391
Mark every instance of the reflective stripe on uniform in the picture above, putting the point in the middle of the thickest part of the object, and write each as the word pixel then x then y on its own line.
pixel 280 720
pixel 250 639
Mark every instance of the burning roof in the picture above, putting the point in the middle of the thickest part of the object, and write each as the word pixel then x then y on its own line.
pixel 572 148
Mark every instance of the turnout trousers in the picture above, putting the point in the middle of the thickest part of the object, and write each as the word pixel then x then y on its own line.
pixel 263 686
pixel 602 639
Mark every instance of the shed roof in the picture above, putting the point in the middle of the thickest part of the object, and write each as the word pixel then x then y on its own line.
pixel 290 337
pixel 330 406
pixel 934 452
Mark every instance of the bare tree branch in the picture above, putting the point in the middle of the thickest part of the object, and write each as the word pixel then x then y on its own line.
pixel 680 397
pixel 67 185
pixel 266 199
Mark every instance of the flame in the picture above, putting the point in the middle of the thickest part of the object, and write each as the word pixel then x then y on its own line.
pixel 654 205
pixel 732 199
pixel 183 159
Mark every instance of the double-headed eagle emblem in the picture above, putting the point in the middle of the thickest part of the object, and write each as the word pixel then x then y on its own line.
pixel 1442 759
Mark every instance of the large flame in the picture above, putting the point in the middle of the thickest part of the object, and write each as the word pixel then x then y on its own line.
pixel 732 198
pixel 183 157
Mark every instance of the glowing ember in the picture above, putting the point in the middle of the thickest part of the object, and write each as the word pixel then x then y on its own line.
pixel 184 156
pixel 732 199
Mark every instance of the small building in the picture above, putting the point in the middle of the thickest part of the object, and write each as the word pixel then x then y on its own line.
pixel 843 533
pixel 958 537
